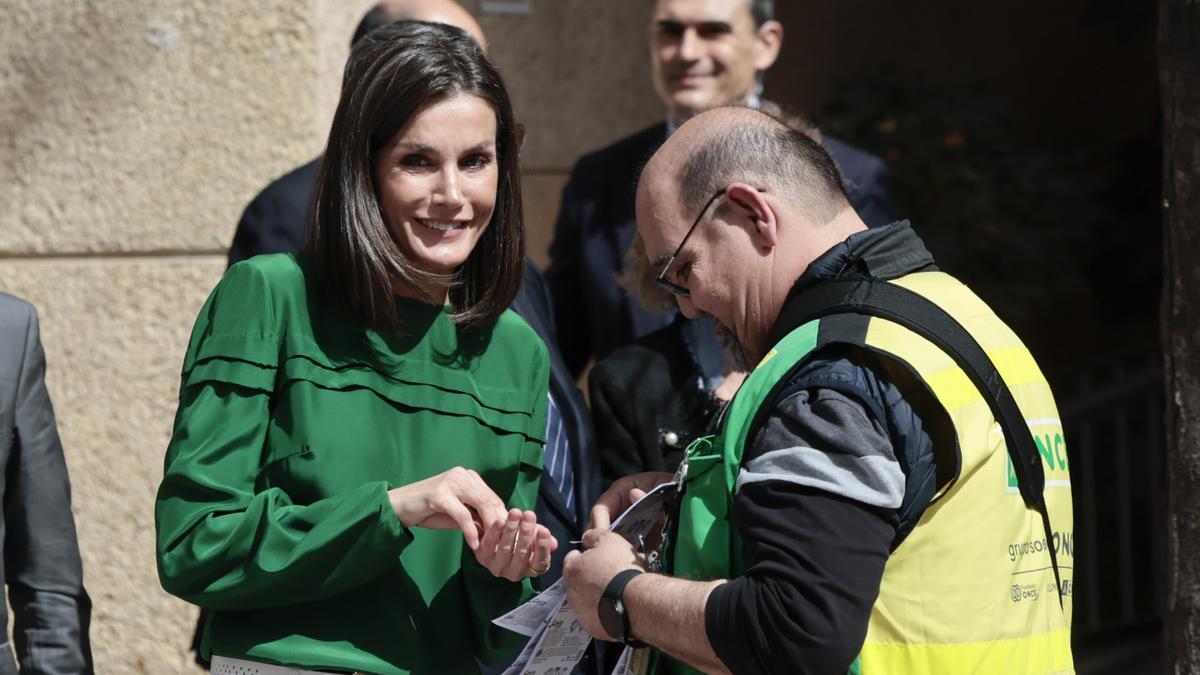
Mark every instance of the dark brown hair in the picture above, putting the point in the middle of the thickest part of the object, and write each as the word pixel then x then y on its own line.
pixel 762 11
pixel 393 72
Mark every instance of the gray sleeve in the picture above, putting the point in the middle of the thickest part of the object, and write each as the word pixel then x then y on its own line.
pixel 41 556
pixel 822 439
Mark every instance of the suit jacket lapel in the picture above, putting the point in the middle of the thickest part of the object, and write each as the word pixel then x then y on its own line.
pixel 554 501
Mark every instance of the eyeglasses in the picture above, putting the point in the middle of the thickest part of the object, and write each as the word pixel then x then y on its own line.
pixel 662 280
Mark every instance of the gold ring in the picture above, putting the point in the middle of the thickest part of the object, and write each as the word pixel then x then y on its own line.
pixel 538 573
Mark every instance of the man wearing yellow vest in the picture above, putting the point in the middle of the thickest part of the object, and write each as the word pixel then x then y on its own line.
pixel 889 490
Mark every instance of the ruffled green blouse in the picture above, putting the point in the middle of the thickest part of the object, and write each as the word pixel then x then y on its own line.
pixel 293 422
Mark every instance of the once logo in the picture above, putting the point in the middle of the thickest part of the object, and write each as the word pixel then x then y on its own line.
pixel 1056 467
pixel 1016 593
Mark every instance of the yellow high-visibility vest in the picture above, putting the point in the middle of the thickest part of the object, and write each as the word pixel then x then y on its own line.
pixel 971 588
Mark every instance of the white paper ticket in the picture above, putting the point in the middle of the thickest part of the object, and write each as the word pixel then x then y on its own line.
pixel 561 646
pixel 557 640
pixel 529 617
pixel 532 646
pixel 645 514
pixel 622 666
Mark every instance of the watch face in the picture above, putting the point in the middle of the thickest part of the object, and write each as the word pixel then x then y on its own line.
pixel 610 618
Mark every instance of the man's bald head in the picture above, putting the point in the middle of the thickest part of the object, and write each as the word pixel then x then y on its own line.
pixel 736 144
pixel 779 205
pixel 435 11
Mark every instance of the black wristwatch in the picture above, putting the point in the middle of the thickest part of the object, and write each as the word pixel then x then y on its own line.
pixel 612 612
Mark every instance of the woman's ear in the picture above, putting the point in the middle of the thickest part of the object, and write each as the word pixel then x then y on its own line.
pixel 754 205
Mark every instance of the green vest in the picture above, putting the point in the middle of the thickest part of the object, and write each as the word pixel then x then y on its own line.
pixel 970 589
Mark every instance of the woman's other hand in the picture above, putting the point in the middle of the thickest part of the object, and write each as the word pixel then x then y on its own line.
pixel 457 499
pixel 516 546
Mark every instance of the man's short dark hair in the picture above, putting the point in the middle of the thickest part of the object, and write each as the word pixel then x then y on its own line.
pixel 395 71
pixel 762 11
pixel 772 156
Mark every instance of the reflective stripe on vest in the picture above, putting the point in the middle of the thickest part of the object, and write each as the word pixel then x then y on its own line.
pixel 970 589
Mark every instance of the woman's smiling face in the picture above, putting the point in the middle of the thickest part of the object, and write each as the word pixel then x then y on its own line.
pixel 436 181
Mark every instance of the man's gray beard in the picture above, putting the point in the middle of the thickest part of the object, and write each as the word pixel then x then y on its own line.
pixel 731 347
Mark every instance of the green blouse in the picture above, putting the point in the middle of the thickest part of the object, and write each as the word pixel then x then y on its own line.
pixel 294 421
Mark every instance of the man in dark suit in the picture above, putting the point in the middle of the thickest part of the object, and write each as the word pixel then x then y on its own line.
pixel 275 222
pixel 42 570
pixel 275 219
pixel 705 53
pixel 565 498
pixel 562 507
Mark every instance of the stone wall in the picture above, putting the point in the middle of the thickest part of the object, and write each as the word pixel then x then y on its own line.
pixel 132 134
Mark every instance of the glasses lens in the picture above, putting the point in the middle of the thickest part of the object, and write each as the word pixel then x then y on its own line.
pixel 663 282
pixel 671 287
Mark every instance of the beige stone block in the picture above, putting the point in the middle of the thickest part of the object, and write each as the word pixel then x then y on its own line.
pixel 114 332
pixel 337 20
pixel 578 72
pixel 147 126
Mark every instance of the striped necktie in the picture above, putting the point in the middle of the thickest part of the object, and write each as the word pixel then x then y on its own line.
pixel 558 455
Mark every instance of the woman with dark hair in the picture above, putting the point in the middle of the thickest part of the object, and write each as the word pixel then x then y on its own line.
pixel 351 477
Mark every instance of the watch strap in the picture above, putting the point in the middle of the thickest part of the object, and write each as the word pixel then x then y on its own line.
pixel 614 593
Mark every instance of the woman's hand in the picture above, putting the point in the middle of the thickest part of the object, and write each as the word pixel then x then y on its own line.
pixel 457 499
pixel 622 494
pixel 516 547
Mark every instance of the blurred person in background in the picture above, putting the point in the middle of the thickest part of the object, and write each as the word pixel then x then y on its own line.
pixel 42 570
pixel 704 54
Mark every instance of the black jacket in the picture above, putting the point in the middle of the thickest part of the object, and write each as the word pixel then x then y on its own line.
pixel 652 397
pixel 276 220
